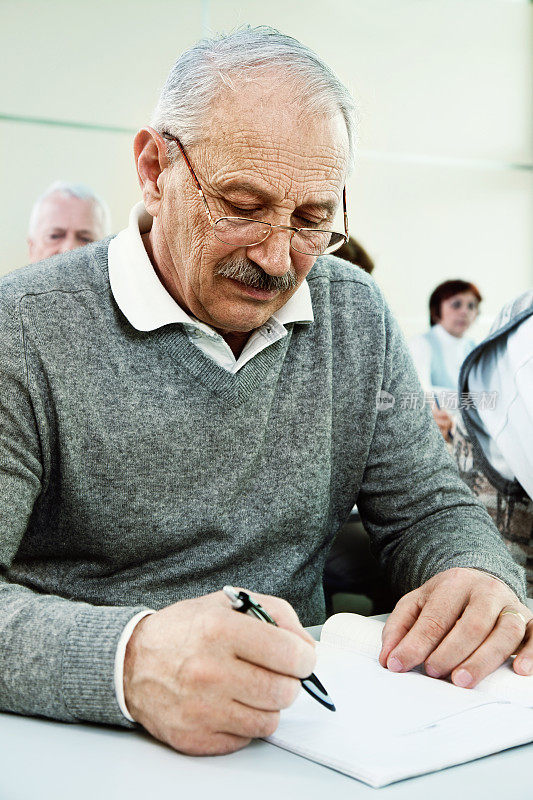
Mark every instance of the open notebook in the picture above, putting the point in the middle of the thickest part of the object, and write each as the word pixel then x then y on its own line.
pixel 389 726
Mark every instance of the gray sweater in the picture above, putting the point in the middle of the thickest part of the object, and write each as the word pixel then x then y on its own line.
pixel 135 472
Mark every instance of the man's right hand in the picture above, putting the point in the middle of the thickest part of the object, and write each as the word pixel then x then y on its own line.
pixel 206 680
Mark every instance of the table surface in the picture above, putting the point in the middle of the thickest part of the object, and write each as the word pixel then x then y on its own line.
pixel 48 760
pixel 44 760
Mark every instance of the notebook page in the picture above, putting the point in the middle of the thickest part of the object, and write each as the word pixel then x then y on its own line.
pixel 505 684
pixel 363 635
pixel 382 702
pixel 353 632
pixel 390 725
pixel 464 737
pixel 475 733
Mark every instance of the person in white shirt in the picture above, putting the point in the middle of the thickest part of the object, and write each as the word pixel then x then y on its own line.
pixel 494 449
pixel 439 353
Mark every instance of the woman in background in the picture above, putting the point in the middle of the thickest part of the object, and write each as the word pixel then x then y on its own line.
pixel 439 353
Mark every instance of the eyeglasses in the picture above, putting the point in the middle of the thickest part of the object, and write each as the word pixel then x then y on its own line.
pixel 244 232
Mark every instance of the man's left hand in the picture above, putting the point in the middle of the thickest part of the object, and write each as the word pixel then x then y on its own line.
pixel 458 624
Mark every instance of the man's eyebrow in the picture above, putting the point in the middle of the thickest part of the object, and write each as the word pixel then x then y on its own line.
pixel 327 206
pixel 246 186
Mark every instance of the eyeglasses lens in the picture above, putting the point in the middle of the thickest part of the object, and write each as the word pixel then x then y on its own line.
pixel 242 232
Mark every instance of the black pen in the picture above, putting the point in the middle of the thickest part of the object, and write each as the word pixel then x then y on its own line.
pixel 241 601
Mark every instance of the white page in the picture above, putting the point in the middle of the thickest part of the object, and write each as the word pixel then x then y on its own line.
pixel 354 632
pixel 381 703
pixel 379 761
pixel 388 725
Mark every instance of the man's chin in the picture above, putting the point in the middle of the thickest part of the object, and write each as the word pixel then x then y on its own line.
pixel 230 325
pixel 241 319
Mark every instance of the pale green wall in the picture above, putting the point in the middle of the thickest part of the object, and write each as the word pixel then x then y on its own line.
pixel 443 184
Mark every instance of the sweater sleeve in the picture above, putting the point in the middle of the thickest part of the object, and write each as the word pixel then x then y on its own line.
pixel 56 655
pixel 421 517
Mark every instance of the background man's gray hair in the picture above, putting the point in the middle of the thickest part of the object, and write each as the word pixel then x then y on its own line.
pixel 102 214
pixel 199 74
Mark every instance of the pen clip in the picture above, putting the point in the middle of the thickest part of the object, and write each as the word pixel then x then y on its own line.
pixel 242 602
pixel 251 606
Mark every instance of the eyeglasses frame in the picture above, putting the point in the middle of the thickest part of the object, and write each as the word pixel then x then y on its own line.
pixel 213 222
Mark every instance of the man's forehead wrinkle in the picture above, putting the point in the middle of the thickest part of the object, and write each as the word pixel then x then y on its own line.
pixel 248 126
pixel 298 152
pixel 273 169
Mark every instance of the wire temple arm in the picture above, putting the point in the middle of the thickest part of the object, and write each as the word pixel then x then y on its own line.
pixel 166 135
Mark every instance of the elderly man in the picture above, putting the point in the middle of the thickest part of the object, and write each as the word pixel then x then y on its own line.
pixel 66 216
pixel 176 401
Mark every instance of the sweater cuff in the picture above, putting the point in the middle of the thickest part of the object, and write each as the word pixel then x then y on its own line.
pixel 120 655
pixel 88 664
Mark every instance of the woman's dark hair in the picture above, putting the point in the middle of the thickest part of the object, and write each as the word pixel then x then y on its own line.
pixel 355 253
pixel 446 290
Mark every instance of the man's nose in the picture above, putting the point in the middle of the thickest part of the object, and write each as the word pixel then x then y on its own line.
pixel 68 243
pixel 273 254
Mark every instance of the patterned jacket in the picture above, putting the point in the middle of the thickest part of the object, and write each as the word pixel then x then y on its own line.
pixel 506 501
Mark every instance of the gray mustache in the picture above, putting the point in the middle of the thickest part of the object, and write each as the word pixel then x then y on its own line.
pixel 248 273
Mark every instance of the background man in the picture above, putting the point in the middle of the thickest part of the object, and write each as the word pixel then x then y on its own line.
pixel 175 402
pixel 66 216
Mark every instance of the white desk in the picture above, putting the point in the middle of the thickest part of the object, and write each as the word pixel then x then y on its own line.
pixel 44 760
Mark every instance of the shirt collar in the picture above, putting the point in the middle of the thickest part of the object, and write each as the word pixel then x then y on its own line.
pixel 448 338
pixel 143 299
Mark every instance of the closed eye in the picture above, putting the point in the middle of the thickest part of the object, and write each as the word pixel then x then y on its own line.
pixel 242 212
pixel 302 222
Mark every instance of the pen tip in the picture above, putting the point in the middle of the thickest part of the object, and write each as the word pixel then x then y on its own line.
pixel 312 686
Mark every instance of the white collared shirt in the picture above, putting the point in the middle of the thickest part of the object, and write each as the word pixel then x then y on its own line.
pixel 147 305
pixel 454 351
pixel 506 369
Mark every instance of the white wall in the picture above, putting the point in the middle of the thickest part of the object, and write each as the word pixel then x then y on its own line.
pixel 443 183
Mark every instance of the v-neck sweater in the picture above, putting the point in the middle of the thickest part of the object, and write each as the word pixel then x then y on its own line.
pixel 135 472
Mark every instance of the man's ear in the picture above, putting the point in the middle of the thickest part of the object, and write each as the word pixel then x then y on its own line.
pixel 150 150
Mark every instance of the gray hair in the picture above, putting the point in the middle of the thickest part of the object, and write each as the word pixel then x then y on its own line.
pixel 199 73
pixel 102 214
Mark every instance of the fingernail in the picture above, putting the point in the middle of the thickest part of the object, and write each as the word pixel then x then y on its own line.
pixel 432 672
pixel 394 664
pixel 525 665
pixel 462 678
